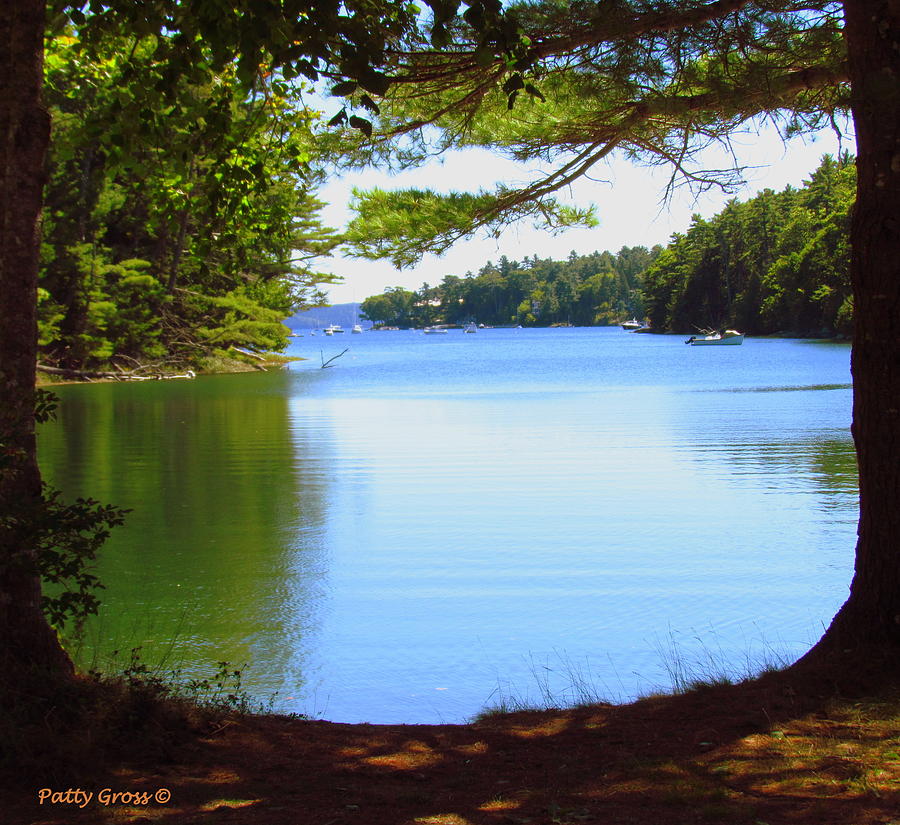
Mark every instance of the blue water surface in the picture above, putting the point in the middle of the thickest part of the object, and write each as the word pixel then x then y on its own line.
pixel 438 523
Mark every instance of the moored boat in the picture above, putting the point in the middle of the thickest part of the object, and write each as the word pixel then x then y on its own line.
pixel 632 326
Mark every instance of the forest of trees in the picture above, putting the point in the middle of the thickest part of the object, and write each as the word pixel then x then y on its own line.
pixel 778 263
pixel 201 240
pixel 585 290
pixel 182 244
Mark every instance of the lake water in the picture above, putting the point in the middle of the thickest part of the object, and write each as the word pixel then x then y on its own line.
pixel 438 523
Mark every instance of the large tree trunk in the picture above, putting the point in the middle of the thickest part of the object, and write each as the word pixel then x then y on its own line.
pixel 870 619
pixel 25 637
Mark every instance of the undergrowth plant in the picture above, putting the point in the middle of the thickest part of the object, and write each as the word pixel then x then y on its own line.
pixel 689 665
pixel 220 693
pixel 58 540
pixel 558 683
pixel 702 662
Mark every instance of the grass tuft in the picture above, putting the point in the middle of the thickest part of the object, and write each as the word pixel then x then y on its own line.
pixel 700 664
pixel 556 684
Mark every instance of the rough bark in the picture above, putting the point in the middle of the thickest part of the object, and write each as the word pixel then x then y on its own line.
pixel 870 619
pixel 25 637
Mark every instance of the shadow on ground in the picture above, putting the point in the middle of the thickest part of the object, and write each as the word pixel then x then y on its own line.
pixel 751 753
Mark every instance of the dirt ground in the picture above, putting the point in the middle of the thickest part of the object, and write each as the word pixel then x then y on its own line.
pixel 750 754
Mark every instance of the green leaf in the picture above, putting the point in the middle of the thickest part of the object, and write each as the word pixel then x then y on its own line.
pixel 376 83
pixel 370 104
pixel 348 87
pixel 513 84
pixel 339 119
pixel 362 124
pixel 484 55
pixel 307 69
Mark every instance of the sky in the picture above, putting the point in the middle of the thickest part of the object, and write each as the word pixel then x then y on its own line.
pixel 628 199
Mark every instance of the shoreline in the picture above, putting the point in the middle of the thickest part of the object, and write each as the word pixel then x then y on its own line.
pixel 214 366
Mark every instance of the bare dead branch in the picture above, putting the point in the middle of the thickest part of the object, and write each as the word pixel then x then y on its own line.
pixel 333 358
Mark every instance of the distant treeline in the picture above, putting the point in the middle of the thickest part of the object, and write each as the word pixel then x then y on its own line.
pixel 778 263
pixel 585 290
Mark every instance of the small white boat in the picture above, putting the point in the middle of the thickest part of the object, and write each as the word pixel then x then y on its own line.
pixel 434 331
pixel 632 325
pixel 331 329
pixel 357 329
pixel 728 337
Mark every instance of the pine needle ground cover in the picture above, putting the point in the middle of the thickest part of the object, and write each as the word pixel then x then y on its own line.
pixel 752 753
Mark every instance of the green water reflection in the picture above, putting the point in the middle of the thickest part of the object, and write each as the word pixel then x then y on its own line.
pixel 221 552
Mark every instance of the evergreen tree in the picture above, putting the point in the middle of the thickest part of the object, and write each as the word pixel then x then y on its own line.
pixel 778 263
pixel 187 243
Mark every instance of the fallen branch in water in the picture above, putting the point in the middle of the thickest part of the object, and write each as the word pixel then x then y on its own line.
pixel 249 354
pixel 334 358
pixel 121 375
